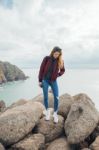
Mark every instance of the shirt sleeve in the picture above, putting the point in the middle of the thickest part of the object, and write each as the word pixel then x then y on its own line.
pixel 42 69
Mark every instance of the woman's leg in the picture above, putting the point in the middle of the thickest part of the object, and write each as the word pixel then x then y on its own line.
pixel 45 92
pixel 55 90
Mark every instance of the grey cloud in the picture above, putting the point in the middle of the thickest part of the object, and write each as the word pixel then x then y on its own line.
pixel 32 28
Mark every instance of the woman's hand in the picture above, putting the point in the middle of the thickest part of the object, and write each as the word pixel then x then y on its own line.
pixel 40 84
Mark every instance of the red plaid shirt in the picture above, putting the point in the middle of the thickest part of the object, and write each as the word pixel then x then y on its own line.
pixel 44 67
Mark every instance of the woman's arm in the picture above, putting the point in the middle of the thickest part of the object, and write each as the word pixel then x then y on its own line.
pixel 41 69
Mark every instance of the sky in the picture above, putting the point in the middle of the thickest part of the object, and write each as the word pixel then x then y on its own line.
pixel 30 29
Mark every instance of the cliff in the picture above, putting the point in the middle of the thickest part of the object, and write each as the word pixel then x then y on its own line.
pixel 9 72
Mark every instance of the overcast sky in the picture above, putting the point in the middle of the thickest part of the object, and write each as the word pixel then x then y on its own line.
pixel 29 29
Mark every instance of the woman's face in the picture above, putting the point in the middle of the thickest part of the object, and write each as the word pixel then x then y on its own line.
pixel 56 54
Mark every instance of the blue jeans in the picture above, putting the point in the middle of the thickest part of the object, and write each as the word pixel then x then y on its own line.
pixel 54 86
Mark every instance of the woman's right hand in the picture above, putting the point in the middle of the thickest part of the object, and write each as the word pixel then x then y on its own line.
pixel 40 84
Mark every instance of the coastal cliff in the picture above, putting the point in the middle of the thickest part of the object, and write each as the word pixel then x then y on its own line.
pixel 23 125
pixel 9 72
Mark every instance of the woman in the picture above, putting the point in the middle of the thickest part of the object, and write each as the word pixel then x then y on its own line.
pixel 51 67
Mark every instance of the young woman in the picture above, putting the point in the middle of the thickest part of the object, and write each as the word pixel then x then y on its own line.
pixel 51 67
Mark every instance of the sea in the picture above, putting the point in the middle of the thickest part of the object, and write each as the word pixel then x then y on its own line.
pixel 73 81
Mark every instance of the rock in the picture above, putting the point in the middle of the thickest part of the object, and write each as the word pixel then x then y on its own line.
pixel 17 122
pixel 2 106
pixel 65 102
pixel 83 95
pixel 95 144
pixel 83 144
pixel 2 76
pixel 40 99
pixel 91 138
pixel 31 142
pixel 9 72
pixel 17 103
pixel 59 144
pixel 85 149
pixel 1 147
pixel 81 120
pixel 96 132
pixel 46 145
pixel 50 129
pixel 51 111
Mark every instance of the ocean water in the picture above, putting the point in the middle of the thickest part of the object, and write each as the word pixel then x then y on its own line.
pixel 73 81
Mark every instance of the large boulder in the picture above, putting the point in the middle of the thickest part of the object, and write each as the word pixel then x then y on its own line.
pixel 31 142
pixel 95 144
pixel 40 98
pixel 17 103
pixel 83 95
pixel 59 144
pixel 50 129
pixel 65 102
pixel 51 111
pixel 91 138
pixel 17 122
pixel 82 119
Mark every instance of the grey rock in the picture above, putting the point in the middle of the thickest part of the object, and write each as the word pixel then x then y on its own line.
pixel 82 119
pixel 17 103
pixel 59 144
pixel 31 142
pixel 85 149
pixel 50 129
pixel 65 102
pixel 17 122
pixel 95 144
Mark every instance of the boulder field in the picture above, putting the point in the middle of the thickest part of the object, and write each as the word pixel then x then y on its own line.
pixel 23 125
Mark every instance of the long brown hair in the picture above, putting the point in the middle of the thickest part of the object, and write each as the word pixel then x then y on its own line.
pixel 60 60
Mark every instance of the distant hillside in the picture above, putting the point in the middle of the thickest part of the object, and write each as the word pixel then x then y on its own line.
pixel 9 72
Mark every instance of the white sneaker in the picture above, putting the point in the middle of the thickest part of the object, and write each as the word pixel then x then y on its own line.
pixel 47 114
pixel 55 117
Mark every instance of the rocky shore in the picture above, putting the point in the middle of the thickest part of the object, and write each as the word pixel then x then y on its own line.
pixel 23 125
pixel 9 72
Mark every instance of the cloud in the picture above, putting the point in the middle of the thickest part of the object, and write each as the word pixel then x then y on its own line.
pixel 7 3
pixel 30 29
